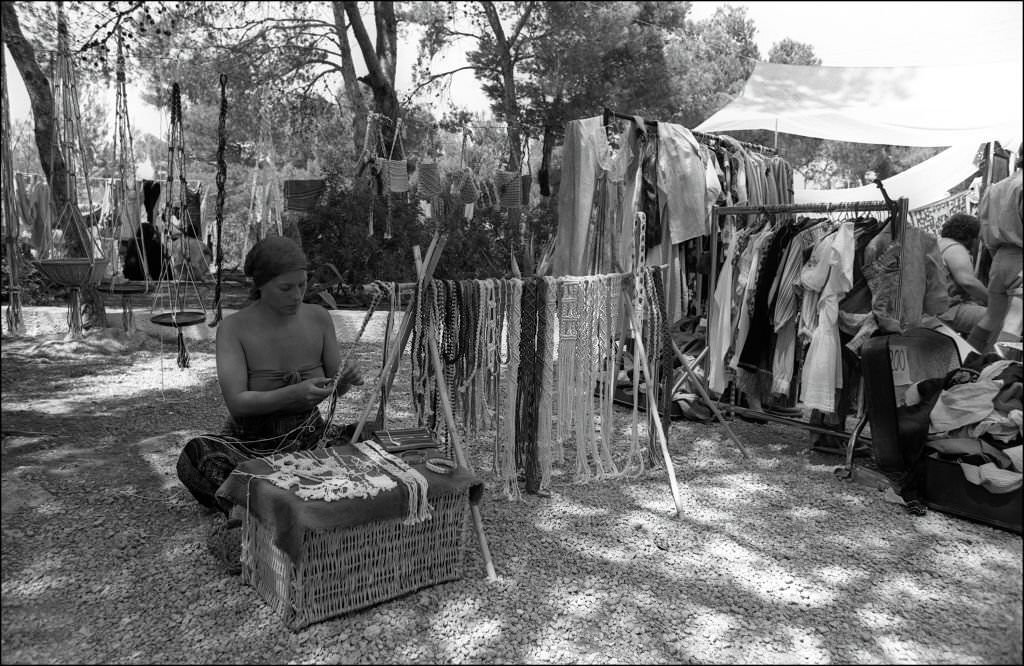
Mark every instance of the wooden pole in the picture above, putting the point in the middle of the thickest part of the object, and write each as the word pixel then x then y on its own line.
pixel 652 408
pixel 707 399
pixel 387 373
pixel 446 408
pixel 460 456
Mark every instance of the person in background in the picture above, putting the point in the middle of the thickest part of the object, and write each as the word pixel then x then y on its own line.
pixel 187 250
pixel 1002 231
pixel 967 295
pixel 277 359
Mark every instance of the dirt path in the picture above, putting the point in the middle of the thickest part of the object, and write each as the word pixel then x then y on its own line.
pixel 774 560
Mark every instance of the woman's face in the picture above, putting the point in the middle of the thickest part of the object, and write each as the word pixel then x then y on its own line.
pixel 283 294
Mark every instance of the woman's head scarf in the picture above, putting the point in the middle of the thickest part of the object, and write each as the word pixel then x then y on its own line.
pixel 272 256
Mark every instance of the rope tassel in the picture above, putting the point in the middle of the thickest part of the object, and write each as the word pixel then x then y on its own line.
pixel 183 357
pixel 75 314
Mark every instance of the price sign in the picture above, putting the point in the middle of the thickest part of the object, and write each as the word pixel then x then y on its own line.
pixel 900 365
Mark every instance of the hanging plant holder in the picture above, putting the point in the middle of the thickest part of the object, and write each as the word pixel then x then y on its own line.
pixel 72 272
pixel 179 319
pixel 177 302
pixel 68 255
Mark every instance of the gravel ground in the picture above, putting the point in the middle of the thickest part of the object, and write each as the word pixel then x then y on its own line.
pixel 773 560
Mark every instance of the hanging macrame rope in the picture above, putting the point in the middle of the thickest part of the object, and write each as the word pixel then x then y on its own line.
pixel 222 170
pixel 15 323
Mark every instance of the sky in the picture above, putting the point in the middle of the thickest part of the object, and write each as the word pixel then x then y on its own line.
pixel 869 34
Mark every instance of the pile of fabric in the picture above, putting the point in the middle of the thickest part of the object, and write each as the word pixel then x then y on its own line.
pixel 972 416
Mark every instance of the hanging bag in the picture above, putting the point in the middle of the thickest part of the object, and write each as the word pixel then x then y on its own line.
pixel 430 180
pixel 509 189
pixel 469 192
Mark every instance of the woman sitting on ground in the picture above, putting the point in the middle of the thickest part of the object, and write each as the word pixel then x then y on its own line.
pixel 276 361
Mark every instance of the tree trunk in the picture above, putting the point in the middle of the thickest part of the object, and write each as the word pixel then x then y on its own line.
pixel 348 74
pixel 380 61
pixel 510 109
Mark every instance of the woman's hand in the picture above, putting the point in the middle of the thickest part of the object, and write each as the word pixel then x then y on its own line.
pixel 311 392
pixel 348 378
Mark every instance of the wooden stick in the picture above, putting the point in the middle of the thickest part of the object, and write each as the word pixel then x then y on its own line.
pixel 460 455
pixel 707 398
pixel 390 369
pixel 652 408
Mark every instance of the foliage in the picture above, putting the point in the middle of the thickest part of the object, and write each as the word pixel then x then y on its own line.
pixel 709 65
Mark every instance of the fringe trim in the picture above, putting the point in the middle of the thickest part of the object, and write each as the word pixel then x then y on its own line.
pixel 75 314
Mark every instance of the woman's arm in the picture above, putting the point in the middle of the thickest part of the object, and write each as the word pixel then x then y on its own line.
pixel 233 375
pixel 331 358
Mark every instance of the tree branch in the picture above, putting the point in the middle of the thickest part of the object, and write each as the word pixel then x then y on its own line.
pixel 434 77
pixel 365 45
pixel 522 22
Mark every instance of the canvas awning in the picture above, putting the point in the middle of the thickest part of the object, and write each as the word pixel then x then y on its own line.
pixel 922 184
pixel 899 106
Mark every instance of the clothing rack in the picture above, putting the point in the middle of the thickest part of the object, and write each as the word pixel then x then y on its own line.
pixel 707 139
pixel 897 210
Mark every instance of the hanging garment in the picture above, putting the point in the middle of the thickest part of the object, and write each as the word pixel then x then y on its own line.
pixel 191 222
pixel 720 326
pixel 587 159
pixel 544 173
pixel 745 285
pixel 785 313
pixel 303 195
pixel 832 274
pixel 923 283
pixel 143 253
pixel 712 184
pixel 681 183
pixel 756 354
pixel 150 197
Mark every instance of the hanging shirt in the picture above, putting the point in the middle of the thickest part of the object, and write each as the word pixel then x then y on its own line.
pixel 748 283
pixel 720 326
pixel 681 183
pixel 585 141
pixel 786 311
pixel 833 274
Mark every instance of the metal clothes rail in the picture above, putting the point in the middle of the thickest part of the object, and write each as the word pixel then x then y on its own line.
pixel 898 219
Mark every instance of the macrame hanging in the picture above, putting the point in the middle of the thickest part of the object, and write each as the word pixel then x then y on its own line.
pixel 68 256
pixel 222 170
pixel 126 206
pixel 11 226
pixel 265 199
pixel 177 302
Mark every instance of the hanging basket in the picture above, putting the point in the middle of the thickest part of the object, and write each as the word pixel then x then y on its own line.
pixel 397 175
pixel 72 272
pixel 430 180
pixel 509 189
pixel 469 192
pixel 179 319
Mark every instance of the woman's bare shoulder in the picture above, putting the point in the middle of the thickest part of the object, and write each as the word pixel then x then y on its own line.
pixel 317 313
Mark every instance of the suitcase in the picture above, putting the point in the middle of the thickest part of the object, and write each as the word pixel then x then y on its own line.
pixel 890 364
pixel 947 490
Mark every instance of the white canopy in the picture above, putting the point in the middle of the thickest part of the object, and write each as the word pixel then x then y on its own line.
pixel 899 106
pixel 922 184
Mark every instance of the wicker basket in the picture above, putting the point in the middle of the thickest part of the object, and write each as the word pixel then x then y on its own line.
pixel 72 272
pixel 349 569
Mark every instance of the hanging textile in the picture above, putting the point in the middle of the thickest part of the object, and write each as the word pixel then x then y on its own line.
pixel 303 195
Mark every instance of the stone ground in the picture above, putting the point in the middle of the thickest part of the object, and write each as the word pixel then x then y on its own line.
pixel 772 560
